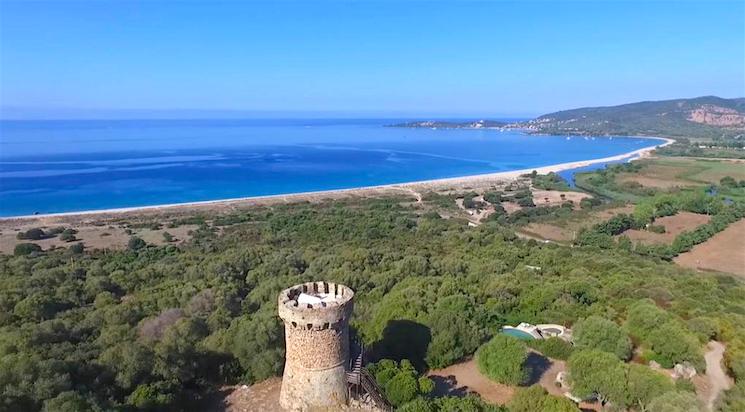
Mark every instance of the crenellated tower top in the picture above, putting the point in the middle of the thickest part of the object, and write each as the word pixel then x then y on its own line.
pixel 316 305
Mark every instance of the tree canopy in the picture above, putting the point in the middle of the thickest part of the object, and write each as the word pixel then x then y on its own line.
pixel 600 333
pixel 503 359
pixel 164 326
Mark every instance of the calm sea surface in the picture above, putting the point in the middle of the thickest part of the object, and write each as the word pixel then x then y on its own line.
pixel 62 166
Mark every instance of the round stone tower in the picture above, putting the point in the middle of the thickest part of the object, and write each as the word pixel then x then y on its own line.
pixel 316 317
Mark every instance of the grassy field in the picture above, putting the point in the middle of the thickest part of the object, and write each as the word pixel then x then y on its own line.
pixel 664 173
pixel 670 171
pixel 642 181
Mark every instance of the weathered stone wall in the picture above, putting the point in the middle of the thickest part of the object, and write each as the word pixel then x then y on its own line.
pixel 317 341
pixel 317 349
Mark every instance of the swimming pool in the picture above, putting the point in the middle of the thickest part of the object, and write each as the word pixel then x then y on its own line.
pixel 518 334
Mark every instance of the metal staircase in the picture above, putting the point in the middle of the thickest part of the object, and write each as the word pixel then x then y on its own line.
pixel 361 382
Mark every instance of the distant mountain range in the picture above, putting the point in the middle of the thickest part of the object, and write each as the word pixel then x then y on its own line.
pixel 700 117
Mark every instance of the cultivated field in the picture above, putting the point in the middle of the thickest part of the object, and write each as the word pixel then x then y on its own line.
pixel 724 252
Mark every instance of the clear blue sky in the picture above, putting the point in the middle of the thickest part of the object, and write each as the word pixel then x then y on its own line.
pixel 388 57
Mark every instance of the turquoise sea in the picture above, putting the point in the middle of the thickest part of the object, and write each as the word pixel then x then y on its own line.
pixel 64 166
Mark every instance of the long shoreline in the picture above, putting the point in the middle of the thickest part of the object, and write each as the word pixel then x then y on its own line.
pixel 301 196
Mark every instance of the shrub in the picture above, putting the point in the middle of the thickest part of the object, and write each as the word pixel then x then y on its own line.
pixel 535 398
pixel 656 228
pixel 402 387
pixel 669 341
pixel 595 332
pixel 468 403
pixel 77 248
pixel 644 385
pixel 493 197
pixel 733 399
pixel 400 382
pixel 728 181
pixel 55 230
pixel 675 402
pixel 672 344
pixel 426 385
pixel 67 402
pixel 599 373
pixel 502 359
pixel 67 237
pixel 525 202
pixel 644 317
pixel 168 237
pixel 31 234
pixel 23 249
pixel 136 243
pixel 154 328
pixel 553 347
pixel 705 328
pixel 157 396
pixel 589 202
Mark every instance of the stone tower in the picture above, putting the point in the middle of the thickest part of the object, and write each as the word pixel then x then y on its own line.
pixel 316 317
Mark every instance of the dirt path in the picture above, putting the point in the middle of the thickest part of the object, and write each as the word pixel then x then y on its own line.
pixel 717 380
pixel 408 190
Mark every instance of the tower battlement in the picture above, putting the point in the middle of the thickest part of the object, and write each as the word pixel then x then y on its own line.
pixel 315 305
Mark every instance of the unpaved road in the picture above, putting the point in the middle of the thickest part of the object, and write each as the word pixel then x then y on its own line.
pixel 718 381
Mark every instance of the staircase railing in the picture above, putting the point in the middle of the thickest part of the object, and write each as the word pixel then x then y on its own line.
pixel 376 393
pixel 359 377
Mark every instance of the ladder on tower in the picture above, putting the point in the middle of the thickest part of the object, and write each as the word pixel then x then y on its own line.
pixel 359 377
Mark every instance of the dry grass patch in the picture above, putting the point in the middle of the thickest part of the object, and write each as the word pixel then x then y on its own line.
pixel 724 252
pixel 550 232
pixel 557 198
pixel 565 229
pixel 93 236
pixel 674 225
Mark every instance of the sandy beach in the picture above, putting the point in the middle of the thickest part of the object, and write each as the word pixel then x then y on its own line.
pixel 412 188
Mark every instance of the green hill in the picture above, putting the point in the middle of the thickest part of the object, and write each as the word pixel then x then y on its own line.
pixel 707 117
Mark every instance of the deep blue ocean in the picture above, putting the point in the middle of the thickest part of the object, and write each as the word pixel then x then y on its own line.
pixel 63 166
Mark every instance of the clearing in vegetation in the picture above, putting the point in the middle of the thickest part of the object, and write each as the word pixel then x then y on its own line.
pixel 674 225
pixel 565 229
pixel 724 252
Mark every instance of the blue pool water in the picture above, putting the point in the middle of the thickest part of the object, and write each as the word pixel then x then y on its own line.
pixel 60 166
pixel 518 334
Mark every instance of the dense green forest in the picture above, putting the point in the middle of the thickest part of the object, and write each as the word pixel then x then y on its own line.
pixel 152 328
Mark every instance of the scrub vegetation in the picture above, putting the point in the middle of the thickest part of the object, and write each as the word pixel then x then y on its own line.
pixel 162 327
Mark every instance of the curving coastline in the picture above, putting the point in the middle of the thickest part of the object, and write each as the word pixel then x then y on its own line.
pixel 433 184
